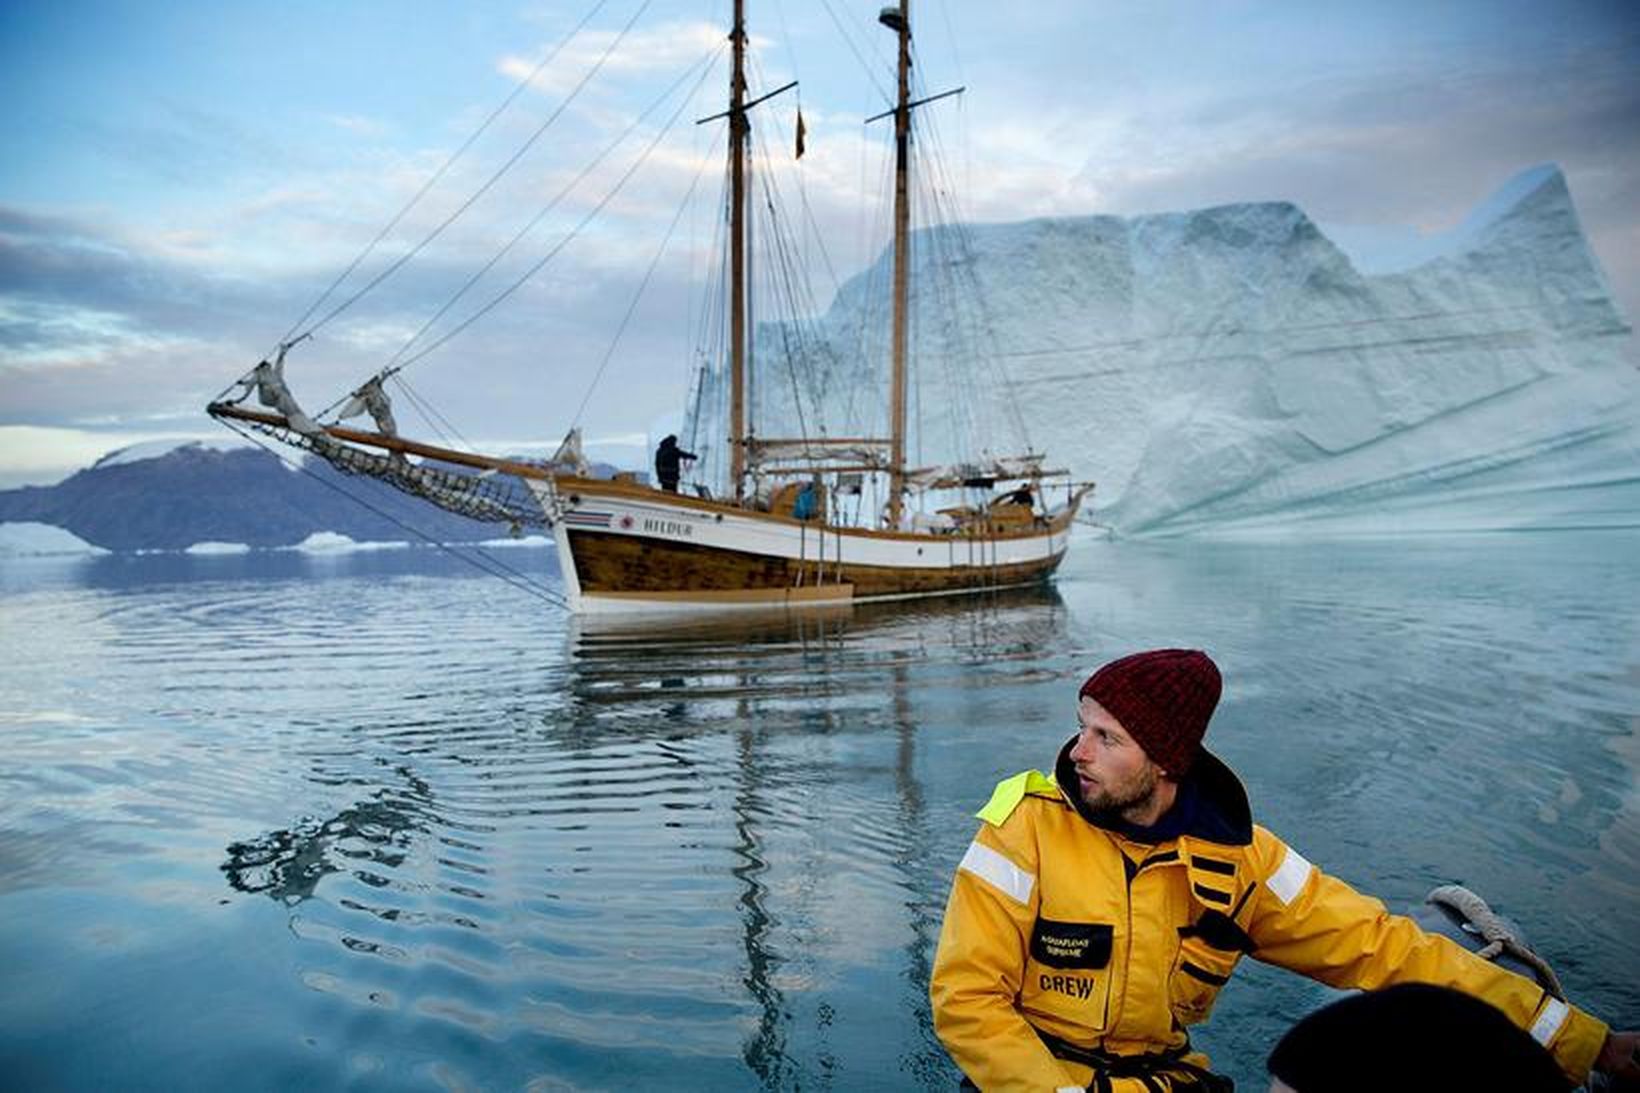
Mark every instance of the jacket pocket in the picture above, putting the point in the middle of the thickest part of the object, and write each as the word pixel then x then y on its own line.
pixel 1199 972
pixel 1068 973
pixel 1082 945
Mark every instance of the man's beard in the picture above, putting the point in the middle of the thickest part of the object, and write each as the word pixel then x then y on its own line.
pixel 1116 802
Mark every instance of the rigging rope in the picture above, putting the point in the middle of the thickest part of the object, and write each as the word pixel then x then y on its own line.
pixel 399 262
pixel 871 73
pixel 494 567
pixel 440 424
pixel 688 197
pixel 952 264
pixel 710 419
pixel 802 188
pixel 801 339
pixel 393 365
pixel 868 344
pixel 590 216
pixel 782 274
pixel 438 174
pixel 974 343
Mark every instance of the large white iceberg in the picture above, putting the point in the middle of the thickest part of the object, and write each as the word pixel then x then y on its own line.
pixel 1232 370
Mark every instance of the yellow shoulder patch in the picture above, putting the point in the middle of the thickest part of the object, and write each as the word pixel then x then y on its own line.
pixel 1010 791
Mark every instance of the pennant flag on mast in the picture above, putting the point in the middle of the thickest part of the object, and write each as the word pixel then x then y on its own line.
pixel 801 131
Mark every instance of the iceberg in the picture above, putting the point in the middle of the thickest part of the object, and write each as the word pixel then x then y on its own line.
pixel 330 542
pixel 531 541
pixel 1234 371
pixel 215 547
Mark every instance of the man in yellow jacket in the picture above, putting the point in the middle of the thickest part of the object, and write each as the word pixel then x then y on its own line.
pixel 1098 912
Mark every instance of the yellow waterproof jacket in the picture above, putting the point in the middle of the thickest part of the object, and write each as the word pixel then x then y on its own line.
pixel 1058 925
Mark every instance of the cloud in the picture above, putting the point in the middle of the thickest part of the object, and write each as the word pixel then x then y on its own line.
pixel 358 126
pixel 51 266
pixel 41 456
pixel 1417 144
pixel 40 334
pixel 668 48
pixel 96 327
pixel 184 147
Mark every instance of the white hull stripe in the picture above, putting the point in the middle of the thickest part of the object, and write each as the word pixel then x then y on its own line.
pixel 1549 1021
pixel 641 518
pixel 998 872
pixel 1288 881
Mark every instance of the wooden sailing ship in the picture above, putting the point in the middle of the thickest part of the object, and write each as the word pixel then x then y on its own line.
pixel 778 534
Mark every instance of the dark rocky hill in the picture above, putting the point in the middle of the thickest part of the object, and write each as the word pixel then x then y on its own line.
pixel 195 494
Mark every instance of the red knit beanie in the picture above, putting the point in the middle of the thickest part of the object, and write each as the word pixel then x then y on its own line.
pixel 1163 699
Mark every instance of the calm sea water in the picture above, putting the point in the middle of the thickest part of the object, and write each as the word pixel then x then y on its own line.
pixel 382 822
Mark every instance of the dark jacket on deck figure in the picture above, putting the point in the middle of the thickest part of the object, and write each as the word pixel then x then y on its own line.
pixel 667 458
pixel 1079 945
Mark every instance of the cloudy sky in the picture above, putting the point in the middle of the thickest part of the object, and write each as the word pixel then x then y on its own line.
pixel 184 180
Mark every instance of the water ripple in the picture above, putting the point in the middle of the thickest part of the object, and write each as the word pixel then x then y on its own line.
pixel 434 836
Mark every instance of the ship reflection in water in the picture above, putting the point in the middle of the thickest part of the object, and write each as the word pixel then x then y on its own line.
pixel 746 653
pixel 852 816
pixel 722 824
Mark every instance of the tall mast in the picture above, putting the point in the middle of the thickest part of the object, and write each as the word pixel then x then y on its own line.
pixel 738 127
pixel 900 21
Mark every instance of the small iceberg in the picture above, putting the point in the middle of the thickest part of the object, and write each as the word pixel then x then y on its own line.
pixel 330 542
pixel 211 546
pixel 521 541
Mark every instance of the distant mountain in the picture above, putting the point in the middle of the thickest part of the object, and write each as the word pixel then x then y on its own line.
pixel 171 498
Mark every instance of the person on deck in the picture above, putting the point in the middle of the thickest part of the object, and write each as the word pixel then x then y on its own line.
pixel 668 457
pixel 1098 912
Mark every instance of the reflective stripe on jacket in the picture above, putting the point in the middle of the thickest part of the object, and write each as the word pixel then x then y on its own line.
pixel 1056 924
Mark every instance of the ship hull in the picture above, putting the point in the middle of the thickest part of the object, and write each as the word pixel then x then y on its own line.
pixel 628 548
